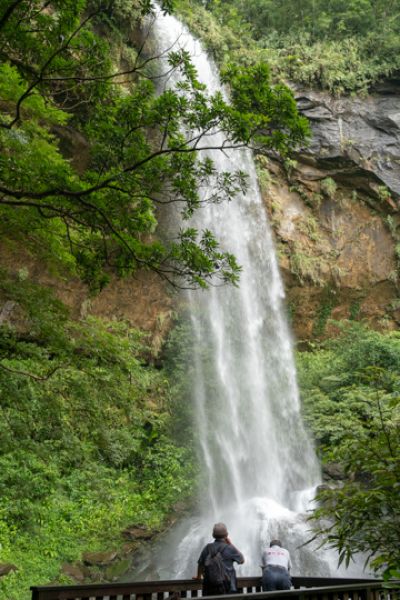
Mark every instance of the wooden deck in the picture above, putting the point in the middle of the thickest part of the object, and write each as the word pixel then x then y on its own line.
pixel 304 588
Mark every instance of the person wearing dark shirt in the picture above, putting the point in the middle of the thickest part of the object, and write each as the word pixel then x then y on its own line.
pixel 229 555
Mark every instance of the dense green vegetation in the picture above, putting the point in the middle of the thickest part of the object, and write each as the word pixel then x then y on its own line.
pixel 342 45
pixel 351 393
pixel 85 438
pixel 90 153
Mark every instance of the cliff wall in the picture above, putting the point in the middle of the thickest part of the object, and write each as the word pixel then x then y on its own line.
pixel 335 212
pixel 142 300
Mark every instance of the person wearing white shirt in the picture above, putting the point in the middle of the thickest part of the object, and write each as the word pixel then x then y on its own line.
pixel 276 565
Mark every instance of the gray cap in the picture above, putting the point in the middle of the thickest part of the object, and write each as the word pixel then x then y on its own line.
pixel 219 531
pixel 275 543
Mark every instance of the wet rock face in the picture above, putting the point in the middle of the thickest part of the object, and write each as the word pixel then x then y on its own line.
pixel 356 139
pixel 335 211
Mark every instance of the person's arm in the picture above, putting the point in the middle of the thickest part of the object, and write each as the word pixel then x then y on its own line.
pixel 200 564
pixel 263 560
pixel 235 554
pixel 200 572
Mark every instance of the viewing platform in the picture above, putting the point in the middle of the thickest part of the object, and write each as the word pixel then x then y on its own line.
pixel 304 588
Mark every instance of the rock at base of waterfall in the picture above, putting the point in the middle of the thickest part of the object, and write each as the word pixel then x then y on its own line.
pixel 99 558
pixel 137 532
pixel 6 568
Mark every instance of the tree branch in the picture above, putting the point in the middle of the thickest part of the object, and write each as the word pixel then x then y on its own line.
pixel 39 78
pixel 183 149
pixel 30 375
pixel 9 11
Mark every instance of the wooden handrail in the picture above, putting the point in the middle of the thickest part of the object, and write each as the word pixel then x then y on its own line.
pixel 306 588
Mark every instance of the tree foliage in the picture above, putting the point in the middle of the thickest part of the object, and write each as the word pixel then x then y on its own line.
pixel 58 72
pixel 335 19
pixel 351 391
pixel 342 45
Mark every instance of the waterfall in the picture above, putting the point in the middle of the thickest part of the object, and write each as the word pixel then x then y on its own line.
pixel 260 469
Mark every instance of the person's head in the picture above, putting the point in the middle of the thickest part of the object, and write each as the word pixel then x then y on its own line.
pixel 219 531
pixel 275 543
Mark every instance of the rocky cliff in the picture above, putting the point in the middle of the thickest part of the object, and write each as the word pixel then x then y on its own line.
pixel 143 300
pixel 357 139
pixel 335 212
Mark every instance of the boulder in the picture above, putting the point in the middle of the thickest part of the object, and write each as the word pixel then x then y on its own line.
pixel 100 559
pixel 75 571
pixel 6 568
pixel 333 471
pixel 137 532
pixel 115 571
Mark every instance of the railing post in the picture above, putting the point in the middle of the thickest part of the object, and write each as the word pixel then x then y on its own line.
pixel 305 588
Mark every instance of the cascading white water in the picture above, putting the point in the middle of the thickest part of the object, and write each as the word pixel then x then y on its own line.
pixel 260 470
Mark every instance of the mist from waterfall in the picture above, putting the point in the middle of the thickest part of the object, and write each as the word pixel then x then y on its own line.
pixel 259 466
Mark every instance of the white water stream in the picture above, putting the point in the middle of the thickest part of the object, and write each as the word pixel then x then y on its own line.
pixel 260 469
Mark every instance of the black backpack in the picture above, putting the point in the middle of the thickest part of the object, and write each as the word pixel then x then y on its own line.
pixel 214 570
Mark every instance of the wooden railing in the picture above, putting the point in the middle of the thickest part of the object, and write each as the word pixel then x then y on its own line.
pixel 305 588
